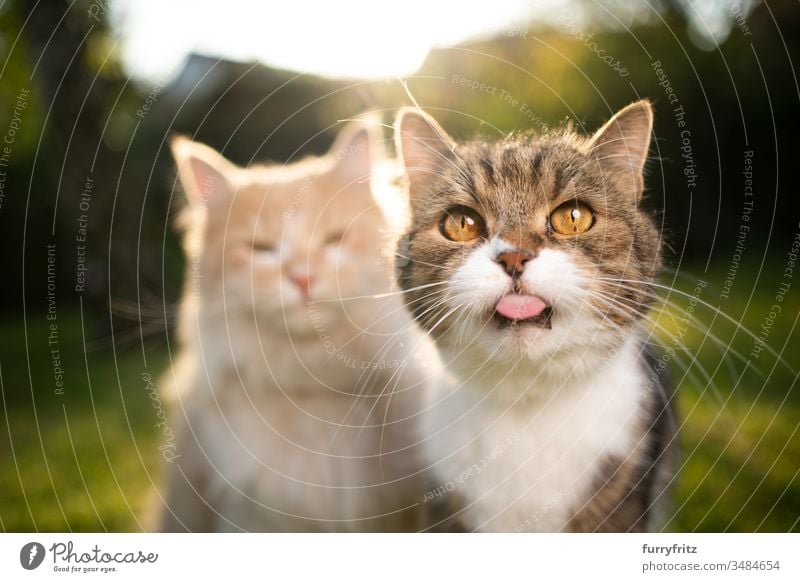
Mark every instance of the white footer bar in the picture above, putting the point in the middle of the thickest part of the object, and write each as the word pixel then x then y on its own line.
pixel 401 557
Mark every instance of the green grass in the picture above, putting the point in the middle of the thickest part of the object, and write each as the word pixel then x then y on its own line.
pixel 739 434
pixel 88 459
pixel 85 460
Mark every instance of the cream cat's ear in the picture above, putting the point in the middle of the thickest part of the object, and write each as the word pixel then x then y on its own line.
pixel 623 142
pixel 204 172
pixel 422 145
pixel 357 148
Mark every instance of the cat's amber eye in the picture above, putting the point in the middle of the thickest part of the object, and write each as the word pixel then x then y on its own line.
pixel 572 218
pixel 462 224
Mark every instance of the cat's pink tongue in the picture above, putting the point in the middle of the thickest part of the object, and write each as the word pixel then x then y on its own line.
pixel 518 307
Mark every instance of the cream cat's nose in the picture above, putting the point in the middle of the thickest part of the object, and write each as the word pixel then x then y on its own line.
pixel 514 261
pixel 302 282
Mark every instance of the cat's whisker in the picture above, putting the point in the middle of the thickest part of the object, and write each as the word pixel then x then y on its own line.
pixel 695 363
pixel 688 296
pixel 421 262
pixel 361 383
pixel 145 330
pixel 462 316
pixel 364 382
pixel 406 326
pixel 687 368
pixel 124 307
pixel 398 370
pixel 465 313
pixel 384 423
pixel 377 295
pixel 714 309
pixel 445 316
pixel 626 304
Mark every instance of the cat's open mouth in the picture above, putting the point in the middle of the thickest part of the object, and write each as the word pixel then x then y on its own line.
pixel 516 309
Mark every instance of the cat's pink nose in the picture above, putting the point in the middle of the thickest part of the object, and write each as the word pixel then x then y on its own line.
pixel 514 261
pixel 302 282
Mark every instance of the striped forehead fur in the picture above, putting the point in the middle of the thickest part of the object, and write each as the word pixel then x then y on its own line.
pixel 514 184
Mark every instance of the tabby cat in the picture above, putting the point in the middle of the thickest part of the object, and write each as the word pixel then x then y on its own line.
pixel 553 416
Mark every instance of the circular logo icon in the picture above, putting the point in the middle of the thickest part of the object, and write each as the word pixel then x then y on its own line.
pixel 31 555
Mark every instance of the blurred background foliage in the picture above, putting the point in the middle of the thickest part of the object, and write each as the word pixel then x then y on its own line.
pixel 88 459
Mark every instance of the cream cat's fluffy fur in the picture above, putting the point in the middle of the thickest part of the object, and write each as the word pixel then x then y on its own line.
pixel 297 409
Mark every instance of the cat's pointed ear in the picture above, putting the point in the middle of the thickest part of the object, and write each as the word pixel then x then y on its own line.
pixel 356 148
pixel 422 145
pixel 623 142
pixel 204 172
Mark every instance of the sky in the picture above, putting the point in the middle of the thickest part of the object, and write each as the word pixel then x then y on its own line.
pixel 336 38
pixel 348 38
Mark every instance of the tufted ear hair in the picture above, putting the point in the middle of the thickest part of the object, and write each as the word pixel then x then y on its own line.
pixel 423 147
pixel 621 145
pixel 357 148
pixel 204 172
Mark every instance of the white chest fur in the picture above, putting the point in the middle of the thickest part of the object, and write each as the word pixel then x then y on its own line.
pixel 527 463
pixel 283 438
pixel 284 468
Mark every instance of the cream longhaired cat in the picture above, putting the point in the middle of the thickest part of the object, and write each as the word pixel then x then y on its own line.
pixel 295 386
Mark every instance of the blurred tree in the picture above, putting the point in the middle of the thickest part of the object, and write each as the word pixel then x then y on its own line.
pixel 88 121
